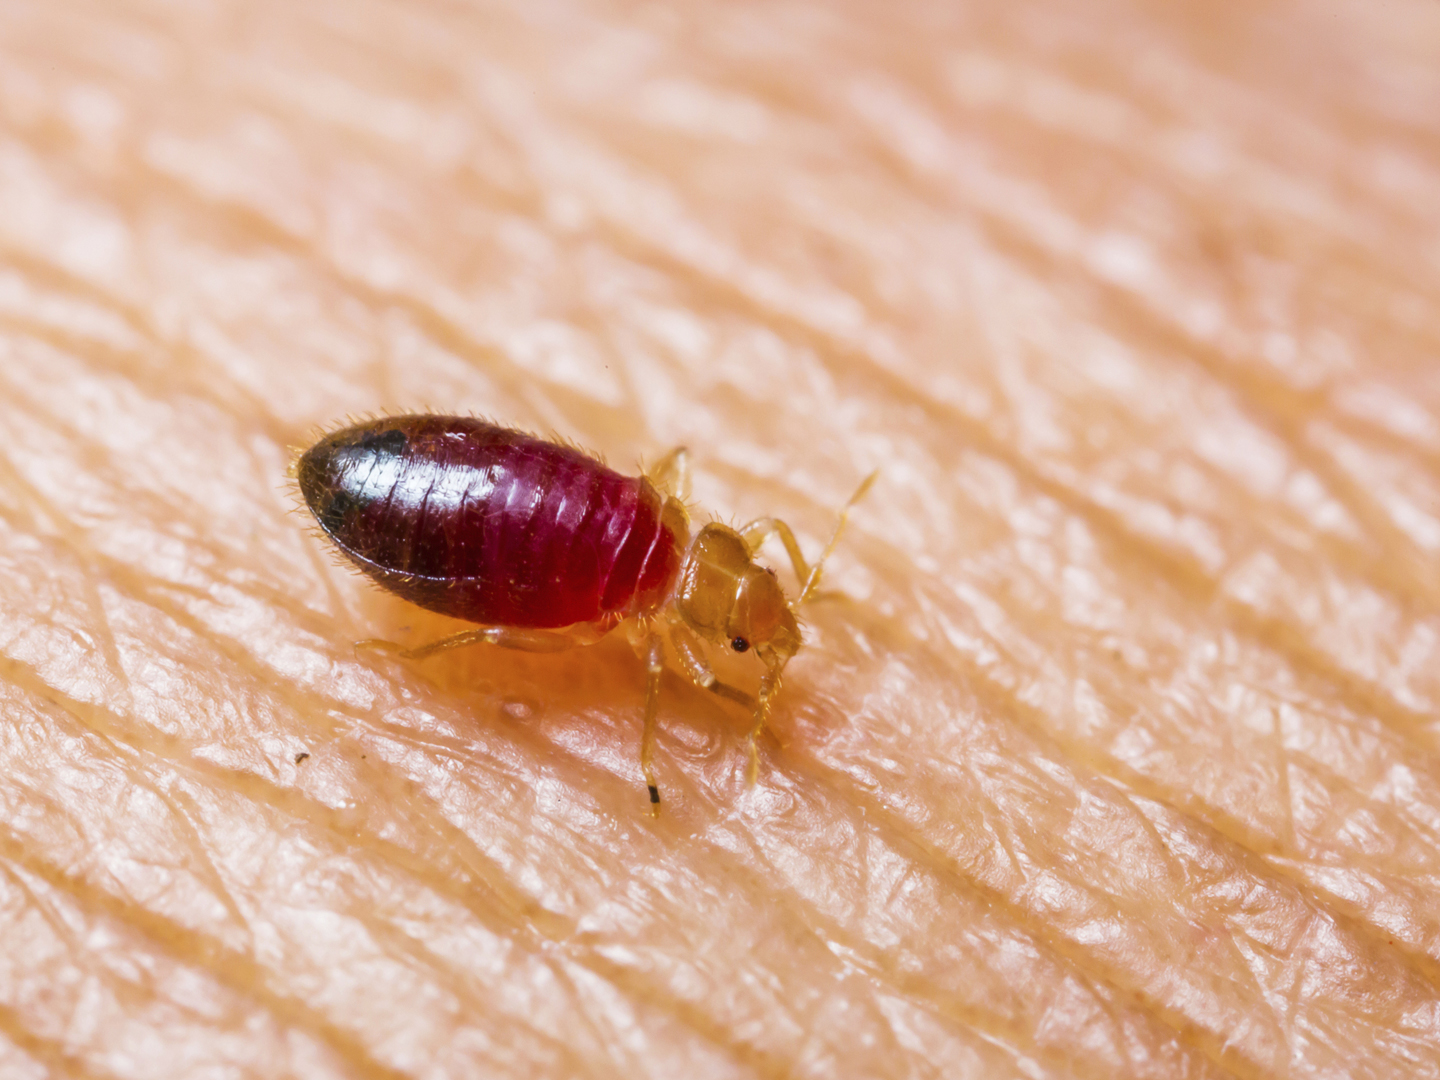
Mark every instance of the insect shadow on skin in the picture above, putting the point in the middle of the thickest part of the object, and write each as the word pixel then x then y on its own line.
pixel 546 548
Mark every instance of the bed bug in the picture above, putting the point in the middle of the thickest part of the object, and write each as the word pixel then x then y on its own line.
pixel 547 548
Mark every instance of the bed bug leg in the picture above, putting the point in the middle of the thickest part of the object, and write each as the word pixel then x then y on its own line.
pixel 769 685
pixel 731 693
pixel 759 530
pixel 671 474
pixel 507 637
pixel 654 669
pixel 691 654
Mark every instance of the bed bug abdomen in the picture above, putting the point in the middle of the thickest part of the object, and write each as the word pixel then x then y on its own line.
pixel 489 524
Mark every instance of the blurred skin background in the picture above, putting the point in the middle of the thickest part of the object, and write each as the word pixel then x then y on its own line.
pixel 1117 757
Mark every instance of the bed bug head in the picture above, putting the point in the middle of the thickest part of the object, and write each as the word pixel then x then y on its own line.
pixel 726 597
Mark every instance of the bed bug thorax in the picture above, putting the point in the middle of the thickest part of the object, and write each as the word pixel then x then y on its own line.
pixel 547 548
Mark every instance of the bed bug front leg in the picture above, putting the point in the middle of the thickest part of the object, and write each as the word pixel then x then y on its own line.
pixel 690 651
pixel 691 655
pixel 769 686
pixel 760 530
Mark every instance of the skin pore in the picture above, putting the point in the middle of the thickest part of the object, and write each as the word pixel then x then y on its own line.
pixel 1112 750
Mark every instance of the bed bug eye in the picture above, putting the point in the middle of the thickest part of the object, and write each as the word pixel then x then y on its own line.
pixel 739 644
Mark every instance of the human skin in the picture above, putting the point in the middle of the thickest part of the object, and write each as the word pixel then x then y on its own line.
pixel 1115 751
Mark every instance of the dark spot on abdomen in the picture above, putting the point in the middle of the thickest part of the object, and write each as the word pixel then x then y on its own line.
pixel 332 518
pixel 392 441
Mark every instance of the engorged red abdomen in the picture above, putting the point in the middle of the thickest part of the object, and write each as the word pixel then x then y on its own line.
pixel 488 524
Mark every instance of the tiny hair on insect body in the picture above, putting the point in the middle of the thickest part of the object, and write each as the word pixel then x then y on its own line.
pixel 543 547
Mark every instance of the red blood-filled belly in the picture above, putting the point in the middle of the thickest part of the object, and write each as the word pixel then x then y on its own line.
pixel 488 524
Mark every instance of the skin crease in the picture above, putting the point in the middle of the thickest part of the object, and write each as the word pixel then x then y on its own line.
pixel 1117 757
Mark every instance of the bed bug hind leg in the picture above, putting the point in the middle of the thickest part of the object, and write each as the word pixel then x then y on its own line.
pixel 654 669
pixel 507 637
pixel 671 474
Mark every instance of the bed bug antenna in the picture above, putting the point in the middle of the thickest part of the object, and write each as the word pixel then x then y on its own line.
pixel 777 657
pixel 813 581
